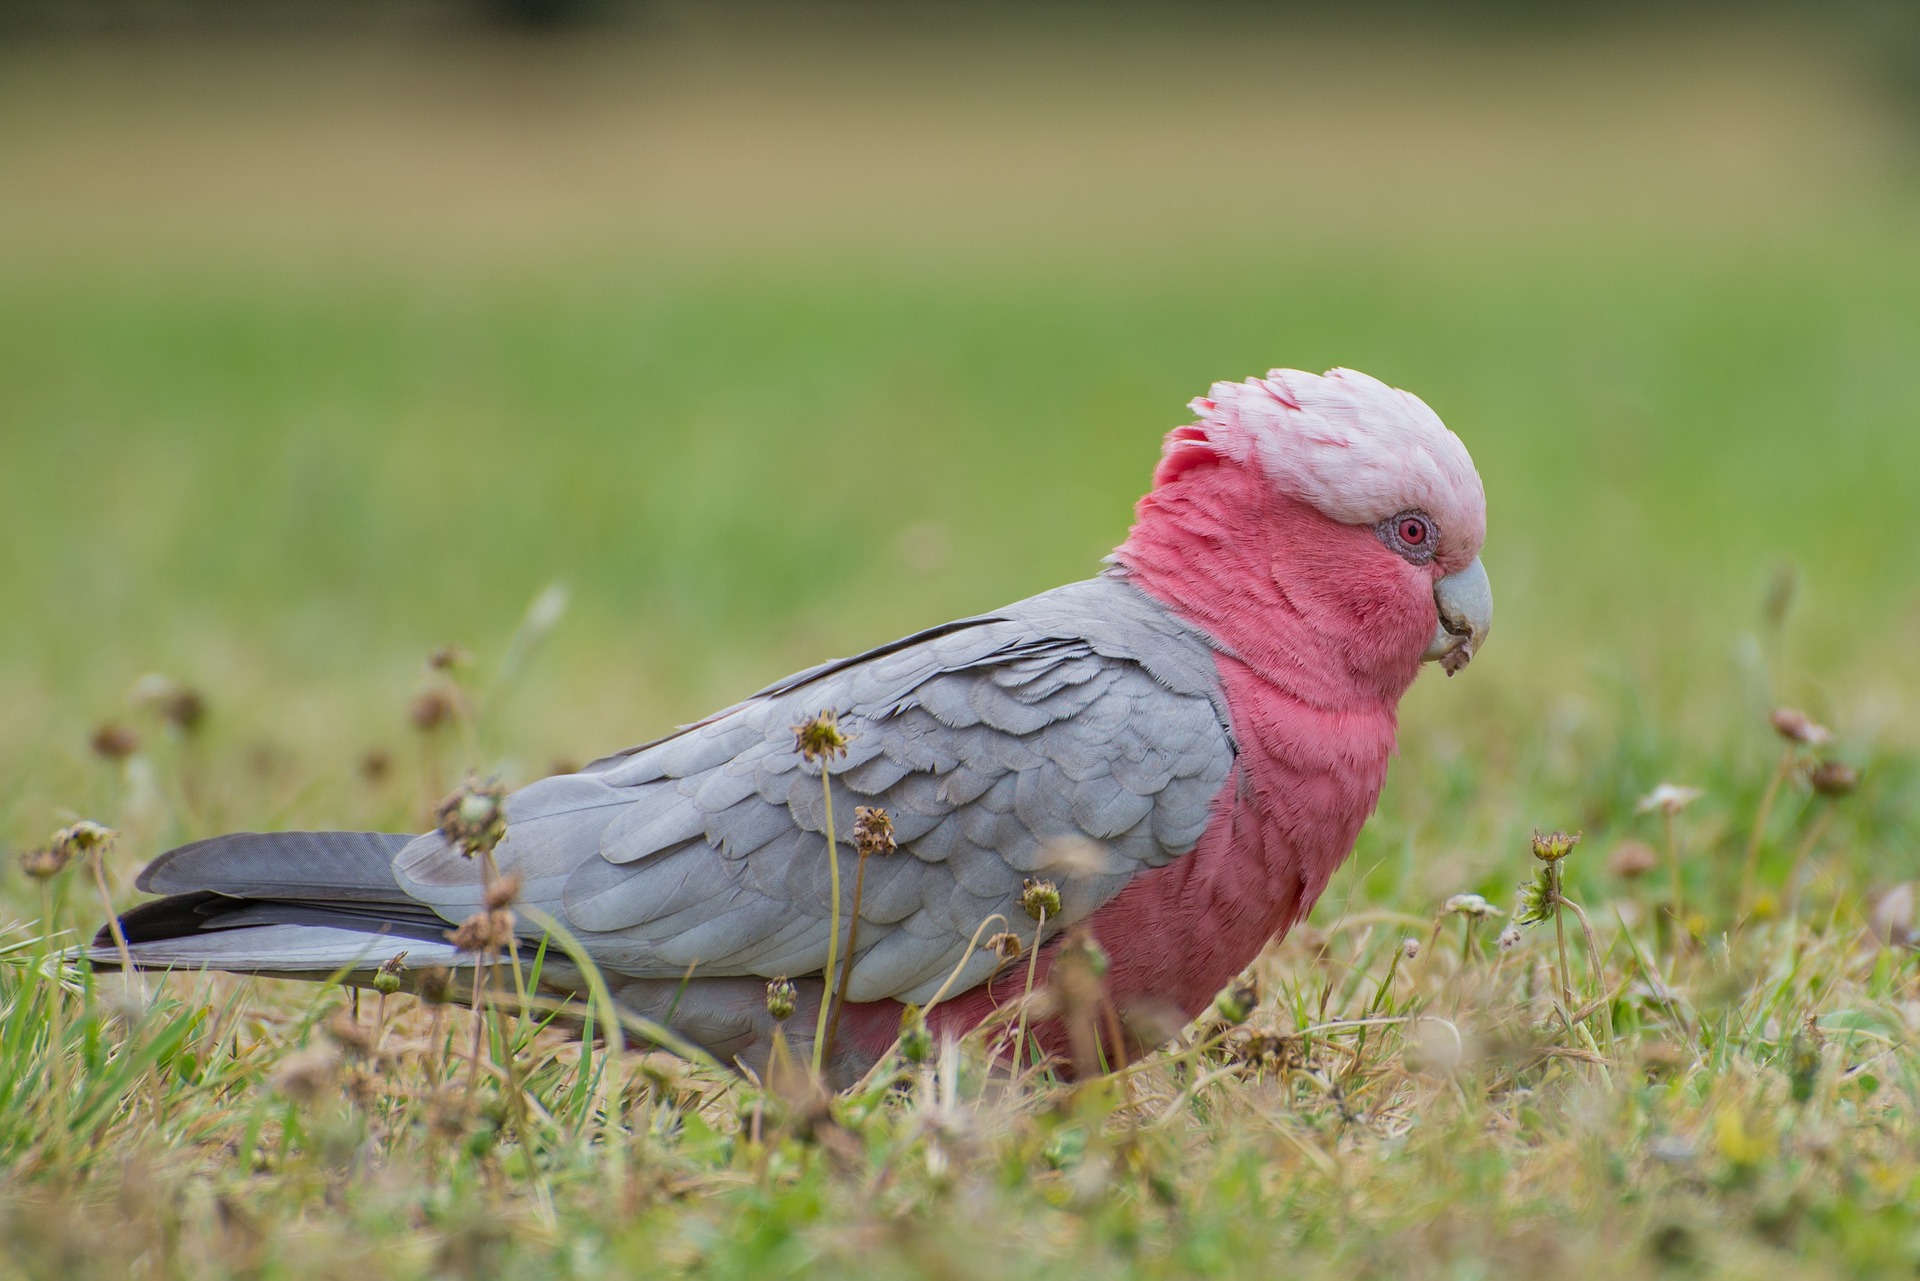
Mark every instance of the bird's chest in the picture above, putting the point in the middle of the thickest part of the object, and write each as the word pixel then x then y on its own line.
pixel 1304 783
pixel 1307 781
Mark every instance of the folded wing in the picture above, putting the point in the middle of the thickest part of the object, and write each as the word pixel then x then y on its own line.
pixel 1079 736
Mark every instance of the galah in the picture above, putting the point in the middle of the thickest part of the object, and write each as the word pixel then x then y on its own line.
pixel 1184 746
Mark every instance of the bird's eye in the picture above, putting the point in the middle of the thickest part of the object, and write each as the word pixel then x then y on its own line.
pixel 1411 534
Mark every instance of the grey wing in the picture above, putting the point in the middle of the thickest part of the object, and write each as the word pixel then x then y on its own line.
pixel 1001 751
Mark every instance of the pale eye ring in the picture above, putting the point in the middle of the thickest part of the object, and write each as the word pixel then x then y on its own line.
pixel 1411 534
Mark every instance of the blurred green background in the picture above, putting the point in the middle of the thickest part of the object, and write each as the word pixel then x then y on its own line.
pixel 773 332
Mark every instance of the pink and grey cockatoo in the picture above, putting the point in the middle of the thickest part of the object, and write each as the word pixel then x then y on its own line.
pixel 1187 745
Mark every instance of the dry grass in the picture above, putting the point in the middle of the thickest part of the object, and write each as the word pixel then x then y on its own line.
pixel 1422 1091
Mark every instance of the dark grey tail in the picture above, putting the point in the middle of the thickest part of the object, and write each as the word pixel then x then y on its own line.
pixel 289 903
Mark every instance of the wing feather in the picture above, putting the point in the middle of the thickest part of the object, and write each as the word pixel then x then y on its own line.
pixel 1000 747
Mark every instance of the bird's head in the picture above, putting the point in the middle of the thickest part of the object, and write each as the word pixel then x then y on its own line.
pixel 1332 504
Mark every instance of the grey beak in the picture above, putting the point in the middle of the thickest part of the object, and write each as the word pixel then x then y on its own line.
pixel 1465 602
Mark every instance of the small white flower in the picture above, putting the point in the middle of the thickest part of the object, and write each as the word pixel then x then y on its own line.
pixel 1471 905
pixel 1668 798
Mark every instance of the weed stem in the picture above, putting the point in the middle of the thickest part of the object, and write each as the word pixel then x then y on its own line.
pixel 853 941
pixel 1026 1001
pixel 1560 937
pixel 833 931
pixel 56 1012
pixel 1677 911
pixel 1750 866
pixel 1791 894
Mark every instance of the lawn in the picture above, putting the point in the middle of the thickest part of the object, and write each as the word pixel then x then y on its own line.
pixel 320 361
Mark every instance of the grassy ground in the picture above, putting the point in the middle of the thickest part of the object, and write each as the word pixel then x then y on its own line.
pixel 321 362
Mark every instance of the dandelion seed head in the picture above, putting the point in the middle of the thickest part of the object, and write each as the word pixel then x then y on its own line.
pixel 393 966
pixel 112 741
pixel 1472 906
pixel 1834 779
pixel 872 831
pixel 782 997
pixel 431 709
pixel 1551 847
pixel 503 891
pixel 821 738
pixel 434 984
pixel 1039 898
pixel 44 862
pixel 84 837
pixel 473 818
pixel 1796 726
pixel 483 933
pixel 180 706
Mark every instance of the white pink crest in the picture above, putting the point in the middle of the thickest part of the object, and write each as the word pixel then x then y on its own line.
pixel 1356 449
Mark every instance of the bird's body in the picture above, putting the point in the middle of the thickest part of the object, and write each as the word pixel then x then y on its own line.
pixel 1187 746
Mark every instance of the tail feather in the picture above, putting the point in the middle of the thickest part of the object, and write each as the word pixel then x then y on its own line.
pixel 285 951
pixel 294 903
pixel 337 866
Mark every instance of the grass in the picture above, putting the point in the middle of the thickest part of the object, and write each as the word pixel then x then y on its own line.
pixel 284 480
pixel 1731 1098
